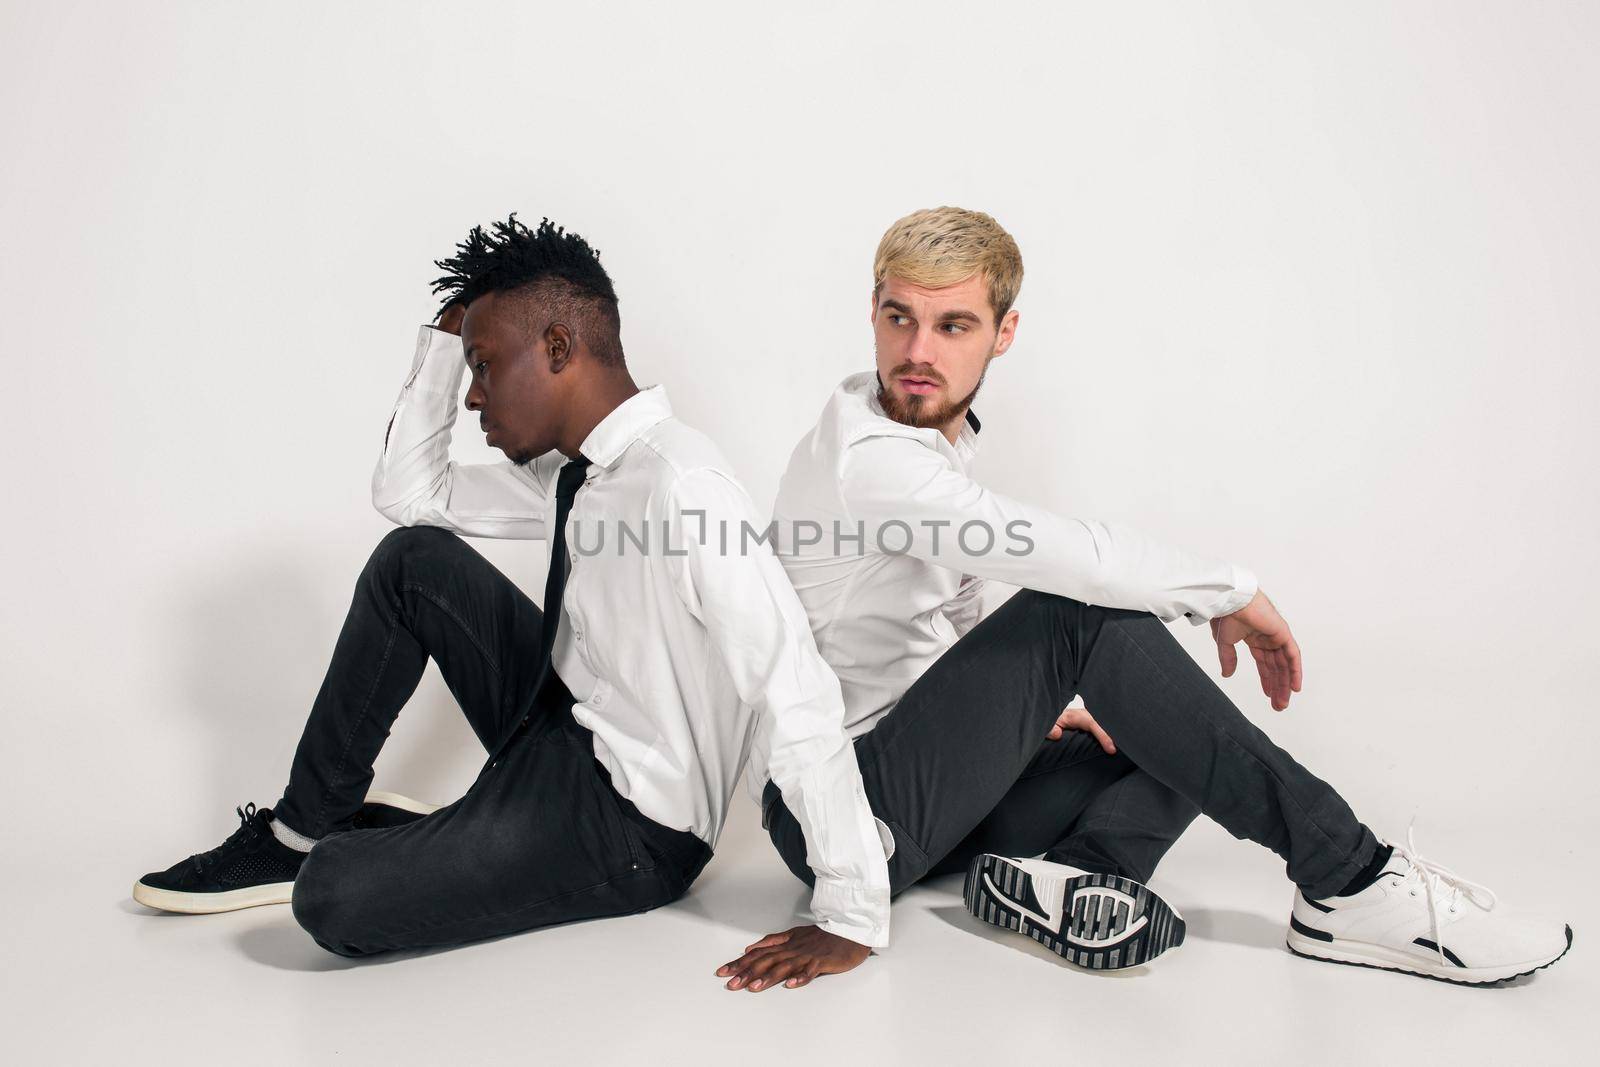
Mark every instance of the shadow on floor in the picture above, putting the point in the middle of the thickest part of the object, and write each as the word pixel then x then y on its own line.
pixel 285 946
pixel 1244 928
pixel 751 906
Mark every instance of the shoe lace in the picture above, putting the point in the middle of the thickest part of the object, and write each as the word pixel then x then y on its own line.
pixel 1440 885
pixel 251 823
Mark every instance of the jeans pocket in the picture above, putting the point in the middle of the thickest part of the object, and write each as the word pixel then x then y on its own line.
pixel 909 863
pixel 639 853
pixel 619 828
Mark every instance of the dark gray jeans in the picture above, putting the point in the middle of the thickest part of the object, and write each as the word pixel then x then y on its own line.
pixel 541 837
pixel 961 765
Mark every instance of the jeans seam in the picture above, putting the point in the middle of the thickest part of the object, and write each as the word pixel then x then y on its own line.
pixel 443 605
pixel 361 717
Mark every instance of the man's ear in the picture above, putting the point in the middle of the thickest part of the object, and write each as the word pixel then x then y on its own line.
pixel 1006 334
pixel 873 317
pixel 558 346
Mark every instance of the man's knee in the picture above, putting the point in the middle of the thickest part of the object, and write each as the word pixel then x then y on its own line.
pixel 325 903
pixel 1078 612
pixel 409 544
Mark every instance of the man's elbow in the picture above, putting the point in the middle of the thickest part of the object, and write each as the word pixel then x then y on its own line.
pixel 400 510
pixel 390 510
pixel 404 502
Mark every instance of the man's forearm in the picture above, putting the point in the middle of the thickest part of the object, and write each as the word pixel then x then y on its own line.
pixel 416 483
pixel 416 445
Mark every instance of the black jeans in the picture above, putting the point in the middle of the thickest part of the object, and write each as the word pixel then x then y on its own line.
pixel 541 837
pixel 961 765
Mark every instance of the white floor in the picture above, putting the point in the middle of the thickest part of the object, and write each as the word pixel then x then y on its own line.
pixel 92 977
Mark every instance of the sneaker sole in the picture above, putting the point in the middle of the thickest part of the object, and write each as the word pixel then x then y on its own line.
pixel 404 803
pixel 256 895
pixel 1359 954
pixel 1106 923
pixel 209 903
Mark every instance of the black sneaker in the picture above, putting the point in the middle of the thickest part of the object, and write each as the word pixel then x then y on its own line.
pixel 251 867
pixel 382 809
pixel 1098 921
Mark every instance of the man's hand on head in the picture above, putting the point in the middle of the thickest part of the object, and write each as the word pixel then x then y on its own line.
pixel 1264 632
pixel 792 958
pixel 450 318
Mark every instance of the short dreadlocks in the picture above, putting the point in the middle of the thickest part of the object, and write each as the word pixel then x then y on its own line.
pixel 557 268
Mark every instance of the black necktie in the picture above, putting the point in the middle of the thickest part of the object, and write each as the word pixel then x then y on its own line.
pixel 567 485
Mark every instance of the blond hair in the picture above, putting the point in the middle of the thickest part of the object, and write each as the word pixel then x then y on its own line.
pixel 943 246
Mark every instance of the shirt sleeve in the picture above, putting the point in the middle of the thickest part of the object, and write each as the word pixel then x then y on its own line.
pixel 965 609
pixel 755 619
pixel 912 500
pixel 416 483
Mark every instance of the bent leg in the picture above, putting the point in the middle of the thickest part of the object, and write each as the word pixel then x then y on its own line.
pixel 543 839
pixel 1040 808
pixel 1075 804
pixel 1126 828
pixel 1181 730
pixel 423 592
pixel 962 735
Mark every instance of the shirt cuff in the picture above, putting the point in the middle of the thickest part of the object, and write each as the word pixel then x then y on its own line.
pixel 1243 591
pixel 857 915
pixel 438 364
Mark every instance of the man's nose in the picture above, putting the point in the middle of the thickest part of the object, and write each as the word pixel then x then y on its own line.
pixel 922 349
pixel 474 400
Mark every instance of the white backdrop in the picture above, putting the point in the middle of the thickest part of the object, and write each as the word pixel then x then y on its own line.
pixel 1359 241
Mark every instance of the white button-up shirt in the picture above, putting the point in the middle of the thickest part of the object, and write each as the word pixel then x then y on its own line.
pixel 684 658
pixel 888 539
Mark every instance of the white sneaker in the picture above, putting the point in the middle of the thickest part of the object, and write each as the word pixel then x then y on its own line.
pixel 1098 921
pixel 1420 918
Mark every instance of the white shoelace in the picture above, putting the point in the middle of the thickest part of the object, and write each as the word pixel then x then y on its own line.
pixel 1440 884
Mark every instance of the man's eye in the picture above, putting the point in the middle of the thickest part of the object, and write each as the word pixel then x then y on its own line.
pixel 955 327
pixel 899 320
pixel 478 366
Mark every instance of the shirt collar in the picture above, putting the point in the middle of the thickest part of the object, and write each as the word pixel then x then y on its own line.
pixel 968 437
pixel 624 424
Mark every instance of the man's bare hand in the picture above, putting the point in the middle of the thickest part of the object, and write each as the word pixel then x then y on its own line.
pixel 793 957
pixel 1264 632
pixel 450 318
pixel 1080 719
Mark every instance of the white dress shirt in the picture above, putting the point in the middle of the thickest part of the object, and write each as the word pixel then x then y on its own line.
pixel 887 603
pixel 684 658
